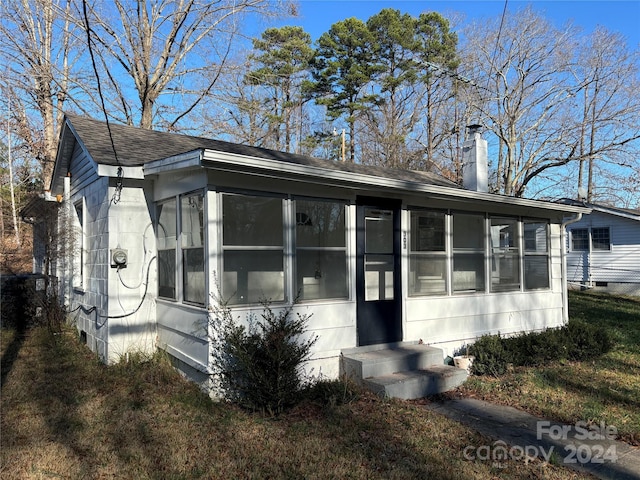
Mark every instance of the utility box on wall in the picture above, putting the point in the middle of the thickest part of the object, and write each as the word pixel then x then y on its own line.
pixel 119 258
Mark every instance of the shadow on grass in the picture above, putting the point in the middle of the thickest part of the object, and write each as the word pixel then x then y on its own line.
pixel 144 421
pixel 596 389
pixel 10 355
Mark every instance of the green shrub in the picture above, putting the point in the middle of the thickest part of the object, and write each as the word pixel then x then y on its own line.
pixel 587 341
pixel 491 357
pixel 575 341
pixel 535 348
pixel 260 365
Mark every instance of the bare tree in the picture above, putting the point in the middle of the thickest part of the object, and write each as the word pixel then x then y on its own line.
pixel 530 92
pixel 526 89
pixel 170 53
pixel 240 113
pixel 608 113
pixel 36 41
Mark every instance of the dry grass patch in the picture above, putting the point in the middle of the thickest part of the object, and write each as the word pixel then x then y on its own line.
pixel 604 389
pixel 64 415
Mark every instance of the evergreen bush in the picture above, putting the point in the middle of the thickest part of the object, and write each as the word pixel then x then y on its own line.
pixel 491 357
pixel 575 341
pixel 260 365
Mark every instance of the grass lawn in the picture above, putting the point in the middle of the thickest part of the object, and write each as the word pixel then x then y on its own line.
pixel 605 389
pixel 64 415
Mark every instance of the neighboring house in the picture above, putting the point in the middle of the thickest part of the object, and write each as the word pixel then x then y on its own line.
pixel 603 249
pixel 375 255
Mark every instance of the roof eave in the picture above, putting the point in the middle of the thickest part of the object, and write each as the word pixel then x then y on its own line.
pixel 616 212
pixel 267 168
pixel 272 168
pixel 177 162
pixel 134 172
pixel 66 145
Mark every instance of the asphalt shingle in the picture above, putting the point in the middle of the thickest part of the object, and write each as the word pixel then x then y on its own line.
pixel 136 146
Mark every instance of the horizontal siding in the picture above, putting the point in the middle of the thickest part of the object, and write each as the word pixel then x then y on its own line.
pixel 454 321
pixel 90 303
pixel 621 264
pixel 83 170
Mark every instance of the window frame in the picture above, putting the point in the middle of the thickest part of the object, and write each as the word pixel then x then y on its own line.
pixel 536 254
pixel 594 243
pixel 298 289
pixel 584 240
pixel 284 248
pixel 79 245
pixel 519 251
pixel 416 254
pixel 175 297
pixel 183 249
pixel 511 252
pixel 468 253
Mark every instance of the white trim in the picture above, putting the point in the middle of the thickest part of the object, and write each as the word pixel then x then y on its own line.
pixel 127 172
pixel 206 369
pixel 616 213
pixel 268 168
pixel 185 160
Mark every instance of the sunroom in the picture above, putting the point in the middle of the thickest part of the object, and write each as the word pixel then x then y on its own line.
pixel 373 259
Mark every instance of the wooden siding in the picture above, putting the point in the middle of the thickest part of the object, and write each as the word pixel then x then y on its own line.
pixel 83 171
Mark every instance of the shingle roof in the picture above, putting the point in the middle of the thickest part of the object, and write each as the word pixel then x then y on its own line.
pixel 625 212
pixel 137 146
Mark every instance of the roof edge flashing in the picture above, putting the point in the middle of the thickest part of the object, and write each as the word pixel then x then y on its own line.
pixel 240 163
pixel 176 162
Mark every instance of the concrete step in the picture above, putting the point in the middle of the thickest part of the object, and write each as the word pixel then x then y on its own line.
pixel 408 385
pixel 364 362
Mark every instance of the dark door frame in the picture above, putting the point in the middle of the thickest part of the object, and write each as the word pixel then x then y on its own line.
pixel 378 321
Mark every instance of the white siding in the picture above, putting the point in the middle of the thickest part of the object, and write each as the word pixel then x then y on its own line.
pixel 103 305
pixel 452 321
pixel 132 290
pixel 89 303
pixel 621 264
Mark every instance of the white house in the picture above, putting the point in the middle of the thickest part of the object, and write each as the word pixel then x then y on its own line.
pixel 603 250
pixel 378 256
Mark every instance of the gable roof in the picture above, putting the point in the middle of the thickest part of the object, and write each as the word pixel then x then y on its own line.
pixel 629 213
pixel 143 152
pixel 137 147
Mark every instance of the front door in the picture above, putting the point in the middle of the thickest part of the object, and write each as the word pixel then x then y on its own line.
pixel 378 272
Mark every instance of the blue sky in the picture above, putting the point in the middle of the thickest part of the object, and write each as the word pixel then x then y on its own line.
pixel 623 16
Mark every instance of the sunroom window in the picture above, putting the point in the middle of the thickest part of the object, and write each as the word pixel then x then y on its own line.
pixel 321 253
pixel 427 256
pixel 536 254
pixel 253 249
pixel 468 253
pixel 166 241
pixel 192 242
pixel 505 254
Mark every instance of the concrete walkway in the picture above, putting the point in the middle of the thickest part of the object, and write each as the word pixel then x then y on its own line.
pixel 585 448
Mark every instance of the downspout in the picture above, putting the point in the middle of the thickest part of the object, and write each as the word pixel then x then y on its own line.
pixel 565 272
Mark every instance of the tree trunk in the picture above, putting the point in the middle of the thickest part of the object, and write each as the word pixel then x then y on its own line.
pixel 14 211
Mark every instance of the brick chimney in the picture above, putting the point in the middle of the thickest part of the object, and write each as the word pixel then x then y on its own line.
pixel 474 161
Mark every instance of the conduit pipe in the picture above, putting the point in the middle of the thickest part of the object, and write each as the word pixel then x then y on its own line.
pixel 565 271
